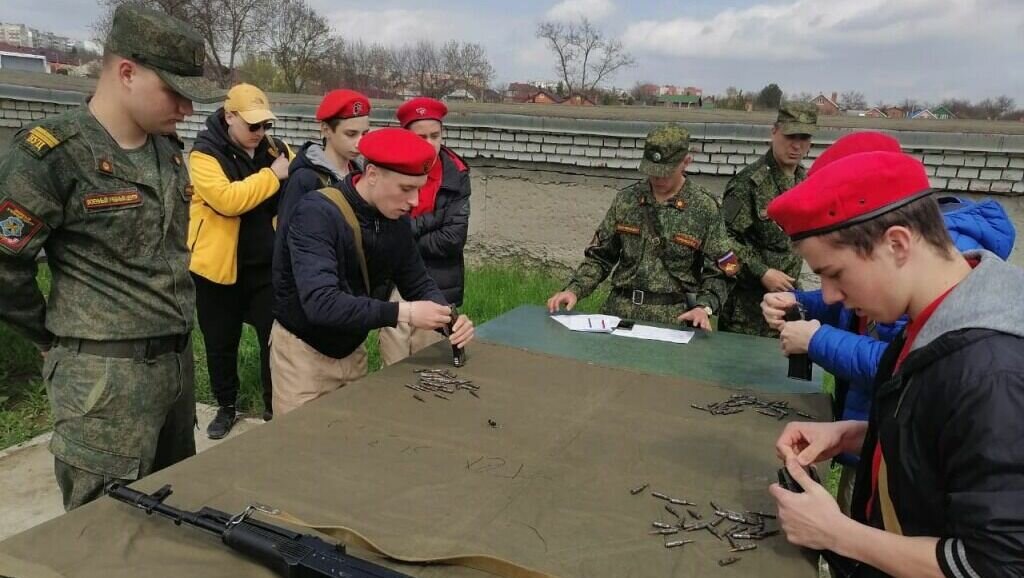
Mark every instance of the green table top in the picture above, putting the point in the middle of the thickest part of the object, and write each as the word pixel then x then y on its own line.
pixel 727 359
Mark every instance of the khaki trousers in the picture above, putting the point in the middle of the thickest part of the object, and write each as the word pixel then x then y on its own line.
pixel 403 340
pixel 302 374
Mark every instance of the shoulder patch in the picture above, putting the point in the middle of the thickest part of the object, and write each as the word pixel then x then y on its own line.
pixel 47 134
pixel 17 226
pixel 39 141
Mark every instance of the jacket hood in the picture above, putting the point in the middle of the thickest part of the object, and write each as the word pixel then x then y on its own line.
pixel 979 302
pixel 978 225
pixel 312 156
pixel 216 132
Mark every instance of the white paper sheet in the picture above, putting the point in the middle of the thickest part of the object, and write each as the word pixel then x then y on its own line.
pixel 588 323
pixel 655 334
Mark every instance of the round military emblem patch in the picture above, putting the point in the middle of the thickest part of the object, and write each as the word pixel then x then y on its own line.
pixel 357 108
pixel 656 157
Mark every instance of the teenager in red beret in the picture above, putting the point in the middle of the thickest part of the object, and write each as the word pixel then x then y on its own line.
pixel 440 224
pixel 332 280
pixel 940 485
pixel 344 117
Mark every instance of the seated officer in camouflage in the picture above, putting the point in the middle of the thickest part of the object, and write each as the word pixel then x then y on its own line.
pixel 769 263
pixel 104 190
pixel 663 242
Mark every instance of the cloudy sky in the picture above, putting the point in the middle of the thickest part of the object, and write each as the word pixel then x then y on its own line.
pixel 887 49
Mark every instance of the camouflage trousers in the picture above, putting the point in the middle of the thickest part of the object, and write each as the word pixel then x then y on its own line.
pixel 117 419
pixel 742 312
pixel 621 306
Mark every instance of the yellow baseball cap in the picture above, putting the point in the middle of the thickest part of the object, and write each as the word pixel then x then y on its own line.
pixel 250 103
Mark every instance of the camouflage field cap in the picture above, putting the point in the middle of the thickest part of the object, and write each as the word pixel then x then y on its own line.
pixel 665 148
pixel 166 45
pixel 798 118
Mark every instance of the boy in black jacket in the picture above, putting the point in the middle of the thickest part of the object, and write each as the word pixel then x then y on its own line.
pixel 325 301
pixel 440 224
pixel 940 489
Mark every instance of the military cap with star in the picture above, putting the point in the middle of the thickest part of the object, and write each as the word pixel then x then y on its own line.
pixel 665 147
pixel 798 118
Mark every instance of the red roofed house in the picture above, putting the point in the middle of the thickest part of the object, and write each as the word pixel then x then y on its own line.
pixel 827 106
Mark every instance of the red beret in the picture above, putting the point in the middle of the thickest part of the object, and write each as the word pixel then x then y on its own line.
pixel 421 108
pixel 851 144
pixel 851 190
pixel 343 103
pixel 399 150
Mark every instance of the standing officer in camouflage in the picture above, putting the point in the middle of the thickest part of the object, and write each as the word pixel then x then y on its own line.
pixel 665 240
pixel 769 263
pixel 104 190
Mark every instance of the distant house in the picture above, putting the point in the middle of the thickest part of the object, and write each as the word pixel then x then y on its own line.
pixel 894 112
pixel 577 100
pixel 827 106
pixel 520 92
pixel 875 113
pixel 925 114
pixel 490 95
pixel 855 112
pixel 943 113
pixel 541 97
pixel 680 101
pixel 460 95
pixel 693 91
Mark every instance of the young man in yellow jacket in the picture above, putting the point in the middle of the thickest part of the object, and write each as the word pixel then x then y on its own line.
pixel 237 169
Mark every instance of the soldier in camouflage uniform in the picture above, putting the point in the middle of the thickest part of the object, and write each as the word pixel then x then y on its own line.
pixel 104 190
pixel 769 263
pixel 663 242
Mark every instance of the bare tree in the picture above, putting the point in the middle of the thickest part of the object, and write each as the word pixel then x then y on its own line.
pixel 468 66
pixel 584 56
pixel 299 39
pixel 853 99
pixel 227 27
pixel 436 71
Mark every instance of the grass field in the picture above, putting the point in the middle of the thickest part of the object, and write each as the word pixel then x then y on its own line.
pixel 24 411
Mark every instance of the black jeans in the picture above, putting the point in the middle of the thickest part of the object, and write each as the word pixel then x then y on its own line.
pixel 222 309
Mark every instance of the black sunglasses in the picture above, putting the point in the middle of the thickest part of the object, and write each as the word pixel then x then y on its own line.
pixel 264 125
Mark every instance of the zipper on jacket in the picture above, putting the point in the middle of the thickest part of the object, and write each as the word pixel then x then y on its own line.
pixel 192 249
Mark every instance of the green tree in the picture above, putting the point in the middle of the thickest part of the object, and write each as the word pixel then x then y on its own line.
pixel 770 97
